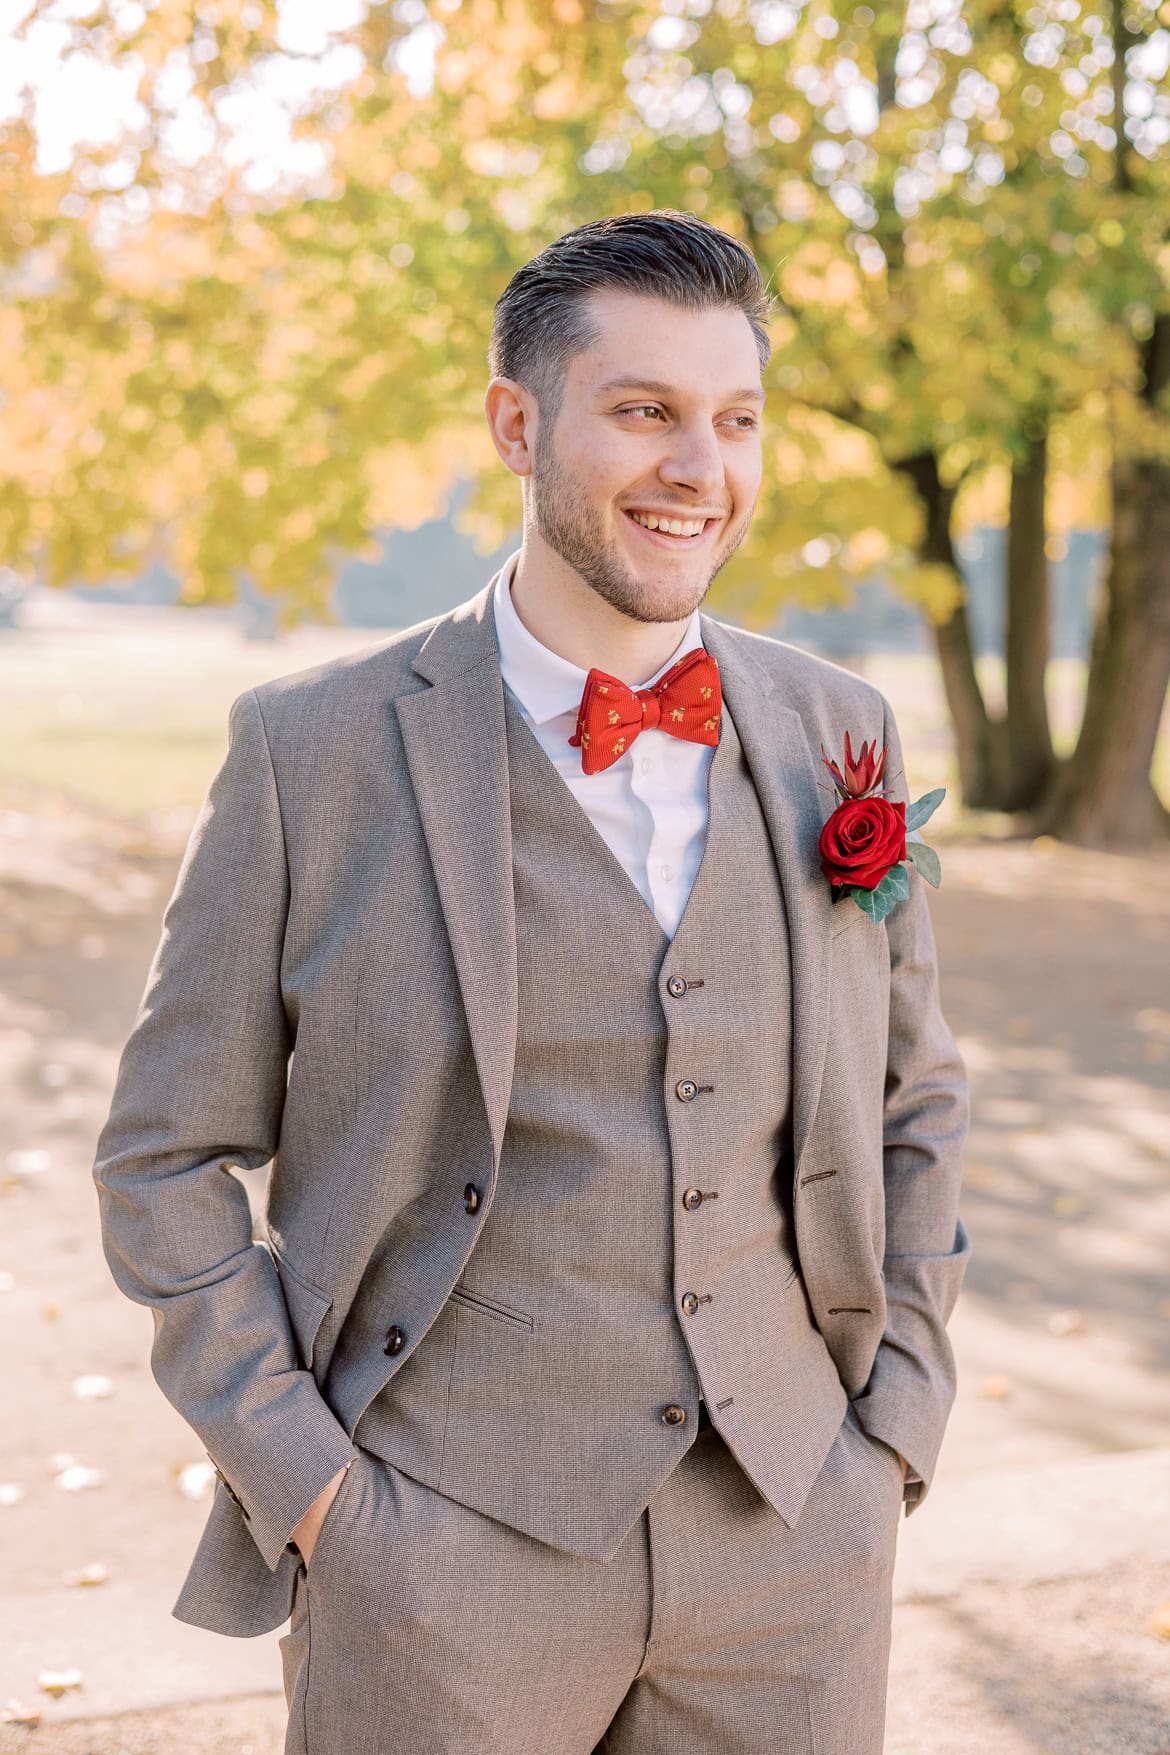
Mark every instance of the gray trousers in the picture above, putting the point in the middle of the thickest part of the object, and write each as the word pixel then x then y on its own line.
pixel 423 1628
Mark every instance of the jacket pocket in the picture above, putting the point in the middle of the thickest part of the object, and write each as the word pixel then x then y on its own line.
pixel 306 1305
pixel 489 1307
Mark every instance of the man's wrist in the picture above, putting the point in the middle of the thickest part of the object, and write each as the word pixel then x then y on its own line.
pixel 311 1523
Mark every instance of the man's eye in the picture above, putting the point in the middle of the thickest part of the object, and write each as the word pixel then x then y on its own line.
pixel 746 422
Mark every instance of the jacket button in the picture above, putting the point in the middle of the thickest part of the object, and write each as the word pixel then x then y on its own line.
pixel 673 1415
pixel 685 1090
pixel 395 1340
pixel 692 1198
pixel 689 1303
pixel 471 1198
pixel 676 986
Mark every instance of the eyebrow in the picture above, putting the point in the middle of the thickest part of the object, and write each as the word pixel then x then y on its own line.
pixel 752 394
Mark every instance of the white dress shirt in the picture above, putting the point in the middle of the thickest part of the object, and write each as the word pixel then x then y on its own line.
pixel 650 806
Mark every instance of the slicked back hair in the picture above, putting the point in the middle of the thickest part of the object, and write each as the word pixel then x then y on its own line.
pixel 542 320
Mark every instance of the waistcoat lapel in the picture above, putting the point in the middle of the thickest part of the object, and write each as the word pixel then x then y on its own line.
pixel 788 785
pixel 456 751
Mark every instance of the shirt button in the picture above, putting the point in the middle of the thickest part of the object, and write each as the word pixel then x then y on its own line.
pixel 692 1198
pixel 666 871
pixel 676 986
pixel 672 1414
pixel 685 1090
pixel 471 1198
pixel 689 1303
pixel 647 764
pixel 395 1340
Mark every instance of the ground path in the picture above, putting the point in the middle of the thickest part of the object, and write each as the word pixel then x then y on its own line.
pixel 1057 981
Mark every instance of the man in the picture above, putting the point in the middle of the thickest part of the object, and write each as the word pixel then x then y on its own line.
pixel 597 1329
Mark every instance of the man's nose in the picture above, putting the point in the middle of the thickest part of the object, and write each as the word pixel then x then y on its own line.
pixel 695 461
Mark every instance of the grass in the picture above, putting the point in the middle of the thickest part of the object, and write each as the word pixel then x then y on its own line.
pixel 134 720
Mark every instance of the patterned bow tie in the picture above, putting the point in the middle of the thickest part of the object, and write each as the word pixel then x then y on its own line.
pixel 686 701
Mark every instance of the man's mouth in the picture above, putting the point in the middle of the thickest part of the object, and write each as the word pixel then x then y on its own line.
pixel 672 532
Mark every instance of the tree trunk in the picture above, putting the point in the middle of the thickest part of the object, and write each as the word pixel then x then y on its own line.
pixel 1104 795
pixel 1026 645
pixel 979 745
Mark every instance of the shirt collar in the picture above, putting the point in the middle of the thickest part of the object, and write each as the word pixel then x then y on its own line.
pixel 545 684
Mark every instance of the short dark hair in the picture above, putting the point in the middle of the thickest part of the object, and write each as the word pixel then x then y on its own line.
pixel 540 318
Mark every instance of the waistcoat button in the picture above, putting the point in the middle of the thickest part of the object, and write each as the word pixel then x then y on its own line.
pixel 673 1415
pixel 692 1198
pixel 676 986
pixel 689 1303
pixel 471 1198
pixel 685 1090
pixel 395 1340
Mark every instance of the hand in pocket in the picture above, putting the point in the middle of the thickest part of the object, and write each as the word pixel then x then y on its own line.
pixel 309 1529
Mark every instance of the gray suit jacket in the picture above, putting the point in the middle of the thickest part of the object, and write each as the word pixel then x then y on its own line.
pixel 360 825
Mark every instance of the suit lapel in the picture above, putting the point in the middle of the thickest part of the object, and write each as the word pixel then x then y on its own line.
pixel 787 782
pixel 456 750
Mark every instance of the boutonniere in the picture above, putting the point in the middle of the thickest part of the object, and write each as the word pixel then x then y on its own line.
pixel 869 843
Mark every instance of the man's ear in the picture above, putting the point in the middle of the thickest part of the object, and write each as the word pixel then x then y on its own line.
pixel 512 418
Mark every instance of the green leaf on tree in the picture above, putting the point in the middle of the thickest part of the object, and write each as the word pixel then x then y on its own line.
pixel 924 808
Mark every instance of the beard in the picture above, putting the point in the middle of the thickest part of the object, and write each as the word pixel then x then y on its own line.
pixel 561 515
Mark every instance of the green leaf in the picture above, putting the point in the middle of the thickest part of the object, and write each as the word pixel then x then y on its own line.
pixel 925 860
pixel 894 887
pixel 924 808
pixel 896 883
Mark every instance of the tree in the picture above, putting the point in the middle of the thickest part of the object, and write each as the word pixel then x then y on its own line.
pixel 959 173
pixel 962 211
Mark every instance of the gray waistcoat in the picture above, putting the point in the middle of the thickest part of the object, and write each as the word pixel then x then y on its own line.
pixel 602 1292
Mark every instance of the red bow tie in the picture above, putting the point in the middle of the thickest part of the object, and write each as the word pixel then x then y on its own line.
pixel 686 701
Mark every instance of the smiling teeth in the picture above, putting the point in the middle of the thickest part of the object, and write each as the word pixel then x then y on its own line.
pixel 672 526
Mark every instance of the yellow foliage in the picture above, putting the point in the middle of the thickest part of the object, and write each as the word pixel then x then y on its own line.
pixel 817 277
pixel 453 71
pixel 984 499
pixel 271 379
pixel 867 548
pixel 935 589
pixel 408 486
pixel 556 101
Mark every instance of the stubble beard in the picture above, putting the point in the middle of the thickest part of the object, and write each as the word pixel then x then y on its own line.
pixel 557 503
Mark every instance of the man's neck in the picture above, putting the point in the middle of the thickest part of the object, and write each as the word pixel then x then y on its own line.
pixel 564 614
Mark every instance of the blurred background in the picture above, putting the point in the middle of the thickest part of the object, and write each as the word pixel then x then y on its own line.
pixel 248 258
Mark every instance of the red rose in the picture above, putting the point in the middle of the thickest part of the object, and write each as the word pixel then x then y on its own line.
pixel 863 840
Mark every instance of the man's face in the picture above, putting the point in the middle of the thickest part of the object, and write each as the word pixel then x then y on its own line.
pixel 677 438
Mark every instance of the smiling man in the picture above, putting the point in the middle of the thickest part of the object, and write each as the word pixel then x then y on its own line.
pixel 596 1334
pixel 640 486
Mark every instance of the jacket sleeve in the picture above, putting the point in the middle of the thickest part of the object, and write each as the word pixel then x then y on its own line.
pixel 911 1387
pixel 200 1088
